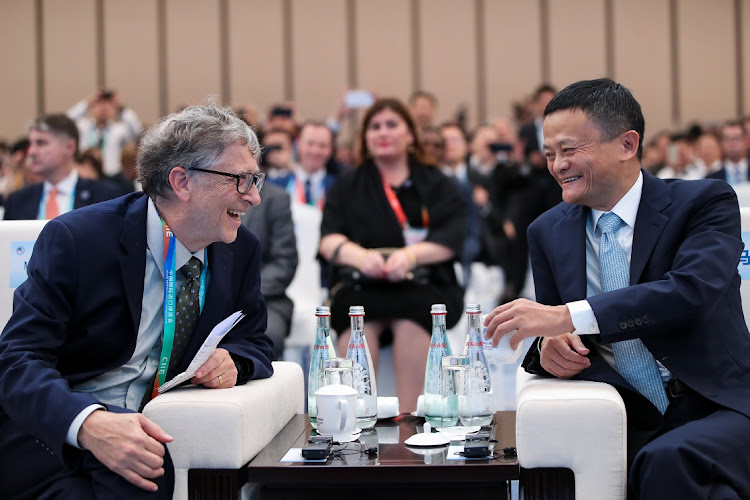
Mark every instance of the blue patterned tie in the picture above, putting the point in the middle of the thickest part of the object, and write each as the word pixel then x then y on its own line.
pixel 632 359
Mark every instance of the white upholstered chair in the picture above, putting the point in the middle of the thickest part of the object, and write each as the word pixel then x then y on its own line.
pixel 217 432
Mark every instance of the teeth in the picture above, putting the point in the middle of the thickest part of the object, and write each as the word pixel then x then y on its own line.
pixel 571 179
pixel 236 212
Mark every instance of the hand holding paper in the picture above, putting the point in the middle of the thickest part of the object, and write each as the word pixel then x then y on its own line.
pixel 206 350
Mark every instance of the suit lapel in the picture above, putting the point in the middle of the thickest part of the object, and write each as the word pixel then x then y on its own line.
pixel 649 223
pixel 569 238
pixel 133 261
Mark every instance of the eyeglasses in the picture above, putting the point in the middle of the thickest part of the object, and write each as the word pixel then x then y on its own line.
pixel 244 181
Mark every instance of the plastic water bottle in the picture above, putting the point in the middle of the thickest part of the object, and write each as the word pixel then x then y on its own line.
pixel 364 373
pixel 479 407
pixel 321 351
pixel 439 348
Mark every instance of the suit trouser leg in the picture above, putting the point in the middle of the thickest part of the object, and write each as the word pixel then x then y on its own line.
pixel 707 458
pixel 30 471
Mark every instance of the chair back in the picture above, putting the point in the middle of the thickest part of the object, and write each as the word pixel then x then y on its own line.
pixel 17 238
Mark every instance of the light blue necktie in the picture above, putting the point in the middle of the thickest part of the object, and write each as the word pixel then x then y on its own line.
pixel 632 359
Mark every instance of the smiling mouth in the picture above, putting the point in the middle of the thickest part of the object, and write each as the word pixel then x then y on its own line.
pixel 571 179
pixel 235 214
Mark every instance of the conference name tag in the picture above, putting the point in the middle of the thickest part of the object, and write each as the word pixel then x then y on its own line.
pixel 744 266
pixel 20 253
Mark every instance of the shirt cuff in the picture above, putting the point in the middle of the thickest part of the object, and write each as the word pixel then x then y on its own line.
pixel 583 318
pixel 72 437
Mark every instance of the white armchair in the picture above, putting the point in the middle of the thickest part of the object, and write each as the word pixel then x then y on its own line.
pixel 570 424
pixel 217 432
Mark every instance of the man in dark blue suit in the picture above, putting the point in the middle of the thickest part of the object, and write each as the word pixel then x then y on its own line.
pixel 90 338
pixel 670 337
pixel 52 155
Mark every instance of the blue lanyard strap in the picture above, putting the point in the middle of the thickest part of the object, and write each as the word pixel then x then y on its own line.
pixel 170 301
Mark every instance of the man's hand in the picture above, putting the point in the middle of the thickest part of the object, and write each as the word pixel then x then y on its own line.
pixel 564 356
pixel 529 319
pixel 218 372
pixel 129 444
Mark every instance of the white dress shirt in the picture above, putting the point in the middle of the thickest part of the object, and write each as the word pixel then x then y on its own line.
pixel 66 192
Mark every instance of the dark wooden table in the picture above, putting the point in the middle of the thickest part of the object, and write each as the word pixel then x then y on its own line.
pixel 394 472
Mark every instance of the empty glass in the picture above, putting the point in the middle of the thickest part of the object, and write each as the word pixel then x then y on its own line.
pixel 338 371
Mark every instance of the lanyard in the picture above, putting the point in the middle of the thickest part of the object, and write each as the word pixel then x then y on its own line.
pixel 399 210
pixel 294 186
pixel 42 214
pixel 170 303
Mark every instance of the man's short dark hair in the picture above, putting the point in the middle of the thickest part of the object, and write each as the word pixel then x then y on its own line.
pixel 57 124
pixel 541 89
pixel 732 124
pixel 608 104
pixel 423 93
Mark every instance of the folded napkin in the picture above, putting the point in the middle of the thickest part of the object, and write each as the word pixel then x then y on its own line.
pixel 388 407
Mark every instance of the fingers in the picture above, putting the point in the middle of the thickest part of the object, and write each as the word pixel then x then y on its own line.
pixel 398 265
pixel 156 432
pixel 219 371
pixel 564 356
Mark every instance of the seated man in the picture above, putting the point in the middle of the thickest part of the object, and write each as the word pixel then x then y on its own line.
pixel 89 340
pixel 272 223
pixel 637 284
pixel 52 156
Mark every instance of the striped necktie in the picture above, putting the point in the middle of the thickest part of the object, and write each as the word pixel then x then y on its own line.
pixel 632 359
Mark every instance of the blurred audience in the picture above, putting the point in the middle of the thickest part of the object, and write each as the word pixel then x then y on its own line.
pixel 277 160
pixel 423 107
pixel 681 160
pixel 734 167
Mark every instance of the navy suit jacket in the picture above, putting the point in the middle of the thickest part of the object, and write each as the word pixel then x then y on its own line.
pixel 77 314
pixel 24 203
pixel 684 299
pixel 285 181
pixel 722 173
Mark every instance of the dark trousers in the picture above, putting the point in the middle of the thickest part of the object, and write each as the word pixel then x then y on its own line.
pixel 702 452
pixel 30 471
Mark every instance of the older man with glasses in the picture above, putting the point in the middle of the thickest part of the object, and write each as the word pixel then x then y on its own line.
pixel 119 298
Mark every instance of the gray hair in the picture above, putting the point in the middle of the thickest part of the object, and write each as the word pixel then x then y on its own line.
pixel 194 137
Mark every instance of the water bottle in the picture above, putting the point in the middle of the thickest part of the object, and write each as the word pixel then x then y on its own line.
pixel 321 351
pixel 364 373
pixel 439 348
pixel 479 409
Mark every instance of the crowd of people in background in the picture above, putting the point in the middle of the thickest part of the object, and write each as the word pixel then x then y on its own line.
pixel 499 167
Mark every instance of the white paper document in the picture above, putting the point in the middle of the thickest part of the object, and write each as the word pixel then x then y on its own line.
pixel 206 350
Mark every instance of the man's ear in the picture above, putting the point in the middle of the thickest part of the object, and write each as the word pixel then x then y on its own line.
pixel 180 182
pixel 630 141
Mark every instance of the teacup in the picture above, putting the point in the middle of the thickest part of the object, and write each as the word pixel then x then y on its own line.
pixel 337 406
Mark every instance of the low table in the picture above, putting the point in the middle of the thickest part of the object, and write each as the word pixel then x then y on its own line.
pixel 394 470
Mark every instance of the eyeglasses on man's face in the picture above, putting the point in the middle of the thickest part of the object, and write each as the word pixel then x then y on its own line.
pixel 245 180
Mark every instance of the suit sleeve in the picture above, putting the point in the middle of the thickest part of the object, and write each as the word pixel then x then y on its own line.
pixel 248 342
pixel 703 267
pixel 32 391
pixel 278 271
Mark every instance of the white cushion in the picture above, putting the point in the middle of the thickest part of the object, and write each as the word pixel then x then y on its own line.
pixel 226 428
pixel 577 425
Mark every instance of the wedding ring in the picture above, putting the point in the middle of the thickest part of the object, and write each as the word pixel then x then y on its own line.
pixel 220 380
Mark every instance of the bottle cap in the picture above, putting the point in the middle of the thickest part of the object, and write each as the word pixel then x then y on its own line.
pixel 473 309
pixel 438 309
pixel 356 310
pixel 322 311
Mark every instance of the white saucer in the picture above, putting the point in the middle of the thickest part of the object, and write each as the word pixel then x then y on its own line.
pixel 351 437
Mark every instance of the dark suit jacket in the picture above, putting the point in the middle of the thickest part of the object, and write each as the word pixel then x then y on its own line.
pixel 722 173
pixel 284 181
pixel 684 299
pixel 24 203
pixel 77 315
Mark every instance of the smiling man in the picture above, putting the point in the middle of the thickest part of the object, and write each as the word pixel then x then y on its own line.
pixel 90 339
pixel 637 286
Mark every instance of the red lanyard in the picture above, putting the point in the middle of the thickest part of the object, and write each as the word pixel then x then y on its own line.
pixel 399 210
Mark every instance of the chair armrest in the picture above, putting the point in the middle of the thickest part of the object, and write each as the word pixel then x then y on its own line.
pixel 226 428
pixel 577 425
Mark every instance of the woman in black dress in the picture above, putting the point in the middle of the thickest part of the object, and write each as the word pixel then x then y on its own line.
pixel 392 229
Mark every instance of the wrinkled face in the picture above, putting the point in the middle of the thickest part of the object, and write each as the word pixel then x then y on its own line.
pixel 587 169
pixel 215 205
pixel 387 136
pixel 733 143
pixel 49 153
pixel 314 147
pixel 456 147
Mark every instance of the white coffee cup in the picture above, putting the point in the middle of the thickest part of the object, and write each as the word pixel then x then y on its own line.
pixel 337 407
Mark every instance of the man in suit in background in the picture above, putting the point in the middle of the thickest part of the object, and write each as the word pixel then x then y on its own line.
pixel 53 154
pixel 531 134
pixel 90 337
pixel 272 223
pixel 734 168
pixel 637 286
